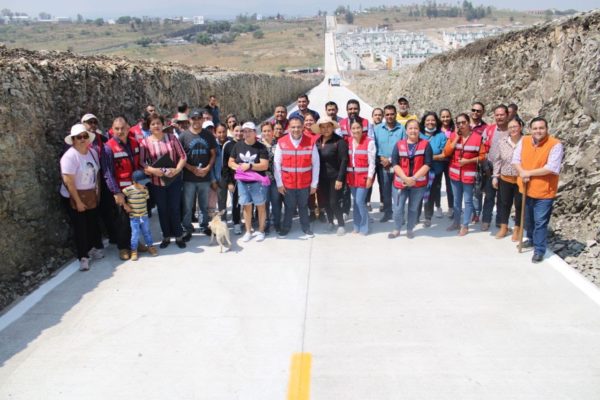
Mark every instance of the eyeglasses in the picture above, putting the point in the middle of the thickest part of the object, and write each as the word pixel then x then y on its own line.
pixel 83 136
pixel 92 121
pixel 476 110
pixel 462 122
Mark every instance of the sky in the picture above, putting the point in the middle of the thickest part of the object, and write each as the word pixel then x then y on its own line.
pixel 231 8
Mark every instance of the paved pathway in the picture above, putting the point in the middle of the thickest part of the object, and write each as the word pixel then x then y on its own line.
pixel 437 317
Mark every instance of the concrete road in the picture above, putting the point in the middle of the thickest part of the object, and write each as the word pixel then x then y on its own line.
pixel 436 317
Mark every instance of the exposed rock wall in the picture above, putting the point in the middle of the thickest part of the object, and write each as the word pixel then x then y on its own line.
pixel 551 70
pixel 44 93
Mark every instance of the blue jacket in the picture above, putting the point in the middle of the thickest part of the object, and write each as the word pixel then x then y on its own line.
pixel 437 143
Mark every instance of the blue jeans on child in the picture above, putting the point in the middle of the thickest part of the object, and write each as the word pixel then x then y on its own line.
pixel 360 215
pixel 140 224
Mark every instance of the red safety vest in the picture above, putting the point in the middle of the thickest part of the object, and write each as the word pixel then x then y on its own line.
pixel 136 132
pixel 418 162
pixel 296 162
pixel 488 136
pixel 357 170
pixel 122 162
pixel 345 127
pixel 470 149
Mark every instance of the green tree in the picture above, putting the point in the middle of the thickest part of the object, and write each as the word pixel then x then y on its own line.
pixel 79 18
pixel 124 20
pixel 144 41
pixel 99 21
pixel 340 10
pixel 349 17
pixel 258 34
pixel 204 39
pixel 44 15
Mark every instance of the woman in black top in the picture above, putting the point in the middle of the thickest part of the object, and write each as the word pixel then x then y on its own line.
pixel 333 156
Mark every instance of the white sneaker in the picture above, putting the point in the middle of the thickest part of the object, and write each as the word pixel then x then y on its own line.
pixel 237 229
pixel 307 235
pixel 340 231
pixel 96 254
pixel 247 236
pixel 84 264
pixel 260 236
pixel 439 213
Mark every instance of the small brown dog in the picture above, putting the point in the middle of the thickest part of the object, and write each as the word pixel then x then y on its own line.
pixel 219 231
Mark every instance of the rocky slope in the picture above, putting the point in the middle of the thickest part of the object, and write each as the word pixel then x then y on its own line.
pixel 44 93
pixel 551 70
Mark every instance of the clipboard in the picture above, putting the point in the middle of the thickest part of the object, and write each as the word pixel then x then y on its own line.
pixel 165 162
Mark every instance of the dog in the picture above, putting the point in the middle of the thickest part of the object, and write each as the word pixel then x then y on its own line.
pixel 219 231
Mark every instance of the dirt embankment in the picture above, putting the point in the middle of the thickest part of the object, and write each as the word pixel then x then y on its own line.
pixel 44 93
pixel 551 70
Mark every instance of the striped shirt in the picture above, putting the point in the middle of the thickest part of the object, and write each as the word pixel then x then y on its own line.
pixel 151 150
pixel 136 199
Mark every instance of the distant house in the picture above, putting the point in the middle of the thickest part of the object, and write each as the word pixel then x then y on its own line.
pixel 63 20
pixel 199 20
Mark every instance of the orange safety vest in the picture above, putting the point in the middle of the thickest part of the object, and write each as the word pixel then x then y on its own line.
pixel 296 162
pixel 418 162
pixel 123 165
pixel 358 166
pixel 470 149
pixel 534 157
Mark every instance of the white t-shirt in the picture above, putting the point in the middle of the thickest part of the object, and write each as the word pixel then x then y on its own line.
pixel 84 166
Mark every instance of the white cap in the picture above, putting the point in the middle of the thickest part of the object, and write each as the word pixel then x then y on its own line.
pixel 78 129
pixel 206 124
pixel 249 125
pixel 87 117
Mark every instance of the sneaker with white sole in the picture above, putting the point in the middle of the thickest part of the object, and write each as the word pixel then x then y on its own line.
pixel 439 213
pixel 96 254
pixel 307 235
pixel 247 236
pixel 84 264
pixel 260 236
pixel 237 229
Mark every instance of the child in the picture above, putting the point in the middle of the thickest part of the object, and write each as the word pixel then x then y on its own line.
pixel 136 195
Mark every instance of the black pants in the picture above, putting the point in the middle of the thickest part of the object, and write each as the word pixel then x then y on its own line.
pixel 222 202
pixel 435 195
pixel 331 199
pixel 86 229
pixel 490 200
pixel 122 228
pixel 509 195
pixel 449 194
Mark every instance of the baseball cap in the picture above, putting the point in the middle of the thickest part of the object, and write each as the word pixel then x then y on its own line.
pixel 403 98
pixel 140 177
pixel 249 125
pixel 181 117
pixel 196 113
pixel 206 124
pixel 87 117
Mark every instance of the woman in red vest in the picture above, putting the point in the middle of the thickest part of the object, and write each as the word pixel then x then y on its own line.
pixel 465 149
pixel 360 173
pixel 412 158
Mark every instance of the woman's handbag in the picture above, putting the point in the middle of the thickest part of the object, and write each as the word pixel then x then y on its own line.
pixel 89 198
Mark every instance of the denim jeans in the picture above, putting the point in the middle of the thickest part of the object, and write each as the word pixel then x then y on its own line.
pixel 434 195
pixel 168 203
pixel 489 201
pixel 190 191
pixel 140 224
pixel 360 216
pixel 296 198
pixel 414 197
pixel 537 217
pixel 459 190
pixel 448 184
pixel 274 202
pixel 386 180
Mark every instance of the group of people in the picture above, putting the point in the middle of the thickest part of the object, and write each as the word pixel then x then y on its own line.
pixel 312 166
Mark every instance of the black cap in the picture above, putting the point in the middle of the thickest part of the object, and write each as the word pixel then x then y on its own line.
pixel 196 113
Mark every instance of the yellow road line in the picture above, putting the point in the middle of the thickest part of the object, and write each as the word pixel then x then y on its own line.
pixel 299 384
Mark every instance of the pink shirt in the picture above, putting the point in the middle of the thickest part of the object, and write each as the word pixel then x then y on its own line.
pixel 151 150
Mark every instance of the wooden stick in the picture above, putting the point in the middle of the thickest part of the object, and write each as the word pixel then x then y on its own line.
pixel 524 199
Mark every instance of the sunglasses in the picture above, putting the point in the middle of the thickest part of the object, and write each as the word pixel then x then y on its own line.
pixel 462 122
pixel 83 136
pixel 476 110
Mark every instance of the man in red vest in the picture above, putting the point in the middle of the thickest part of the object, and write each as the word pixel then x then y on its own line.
pixel 296 170
pixel 122 159
pixel 538 159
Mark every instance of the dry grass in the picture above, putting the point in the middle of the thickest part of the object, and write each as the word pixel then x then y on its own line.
pixel 285 45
